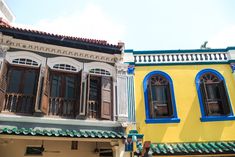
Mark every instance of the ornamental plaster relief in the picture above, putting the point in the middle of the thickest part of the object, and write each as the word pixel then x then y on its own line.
pixel 10 56
pixel 58 50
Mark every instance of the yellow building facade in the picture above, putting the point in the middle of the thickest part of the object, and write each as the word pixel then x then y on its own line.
pixel 190 129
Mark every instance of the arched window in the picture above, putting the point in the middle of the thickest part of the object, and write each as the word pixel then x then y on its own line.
pixel 65 67
pixel 25 61
pixel 159 98
pixel 213 96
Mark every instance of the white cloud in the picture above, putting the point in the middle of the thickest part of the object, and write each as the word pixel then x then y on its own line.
pixel 92 22
pixel 224 38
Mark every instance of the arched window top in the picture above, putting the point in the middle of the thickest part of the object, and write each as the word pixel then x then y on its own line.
pixel 158 80
pixel 208 75
pixel 65 67
pixel 99 71
pixel 209 78
pixel 24 61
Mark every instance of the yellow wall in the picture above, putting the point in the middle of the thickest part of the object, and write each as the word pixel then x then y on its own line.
pixel 190 127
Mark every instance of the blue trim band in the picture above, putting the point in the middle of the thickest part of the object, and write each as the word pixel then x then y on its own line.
pixel 147 110
pixel 217 118
pixel 204 117
pixel 163 120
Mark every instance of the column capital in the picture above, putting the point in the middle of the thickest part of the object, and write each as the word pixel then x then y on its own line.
pixel 232 65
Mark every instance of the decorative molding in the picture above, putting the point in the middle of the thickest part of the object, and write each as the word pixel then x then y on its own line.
pixel 180 58
pixel 58 50
pixel 11 56
pixel 51 62
pixel 99 65
pixel 3 50
pixel 121 68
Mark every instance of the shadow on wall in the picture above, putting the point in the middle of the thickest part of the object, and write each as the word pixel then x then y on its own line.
pixel 152 132
pixel 195 130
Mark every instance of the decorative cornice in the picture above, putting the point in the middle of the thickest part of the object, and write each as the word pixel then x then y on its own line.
pixel 58 50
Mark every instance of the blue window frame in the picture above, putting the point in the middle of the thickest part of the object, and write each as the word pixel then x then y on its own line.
pixel 151 96
pixel 213 96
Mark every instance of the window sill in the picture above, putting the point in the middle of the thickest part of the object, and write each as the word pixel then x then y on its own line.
pixel 162 120
pixel 217 118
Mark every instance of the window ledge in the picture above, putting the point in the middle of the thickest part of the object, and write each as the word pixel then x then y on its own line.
pixel 163 120
pixel 217 118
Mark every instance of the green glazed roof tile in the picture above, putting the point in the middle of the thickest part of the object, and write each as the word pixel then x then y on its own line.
pixel 208 147
pixel 62 133
pixel 181 147
pixel 201 147
pixel 169 148
pixel 215 147
pixel 195 148
pixel 187 146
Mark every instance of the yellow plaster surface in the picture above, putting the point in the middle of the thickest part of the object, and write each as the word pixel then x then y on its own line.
pixel 190 127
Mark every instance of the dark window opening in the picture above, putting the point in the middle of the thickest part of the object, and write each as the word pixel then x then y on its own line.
pixel 63 94
pixel 214 95
pixel 159 97
pixel 34 150
pixel 106 153
pixel 21 89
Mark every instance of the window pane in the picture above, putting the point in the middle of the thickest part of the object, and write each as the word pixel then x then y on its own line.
pixel 94 89
pixel 14 83
pixel 213 91
pixel 70 87
pixel 56 86
pixel 29 82
pixel 159 94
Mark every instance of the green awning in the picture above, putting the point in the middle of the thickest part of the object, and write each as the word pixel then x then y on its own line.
pixel 194 148
pixel 62 133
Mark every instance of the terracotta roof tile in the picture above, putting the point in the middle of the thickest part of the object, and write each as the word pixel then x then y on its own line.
pixel 6 25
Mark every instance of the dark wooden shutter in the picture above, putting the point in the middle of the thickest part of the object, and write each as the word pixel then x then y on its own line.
pixel 78 91
pixel 3 83
pixel 106 97
pixel 88 93
pixel 169 100
pixel 39 90
pixel 82 104
pixel 224 96
pixel 204 97
pixel 151 105
pixel 46 91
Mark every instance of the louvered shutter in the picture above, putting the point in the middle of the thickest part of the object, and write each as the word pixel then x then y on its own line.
pixel 224 97
pixel 46 91
pixel 106 97
pixel 3 83
pixel 204 95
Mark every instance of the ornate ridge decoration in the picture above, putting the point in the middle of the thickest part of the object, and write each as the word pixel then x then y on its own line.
pixel 53 49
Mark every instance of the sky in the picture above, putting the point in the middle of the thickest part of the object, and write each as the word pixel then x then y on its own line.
pixel 140 24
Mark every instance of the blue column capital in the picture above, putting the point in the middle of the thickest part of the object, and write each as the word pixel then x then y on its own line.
pixel 232 67
pixel 131 69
